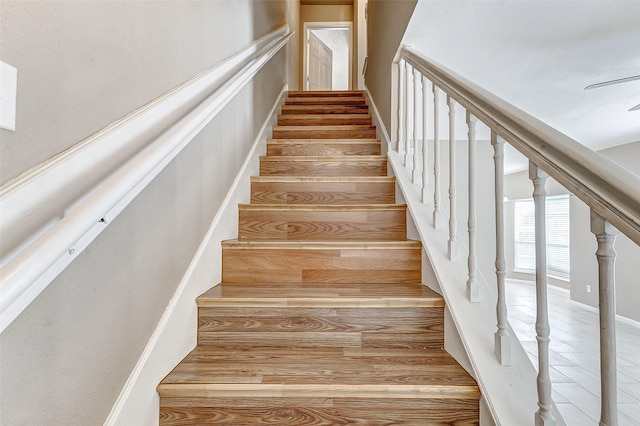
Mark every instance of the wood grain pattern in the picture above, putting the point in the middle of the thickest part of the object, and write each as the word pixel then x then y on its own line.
pixel 317 147
pixel 325 93
pixel 325 100
pixel 324 119
pixel 307 414
pixel 322 222
pixel 321 318
pixel 325 109
pixel 322 190
pixel 324 132
pixel 323 166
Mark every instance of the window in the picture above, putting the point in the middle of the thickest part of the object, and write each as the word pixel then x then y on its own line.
pixel 558 259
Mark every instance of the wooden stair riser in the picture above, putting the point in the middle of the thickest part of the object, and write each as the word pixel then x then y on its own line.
pixel 413 327
pixel 324 120
pixel 319 166
pixel 324 132
pixel 319 411
pixel 326 94
pixel 322 191
pixel 313 147
pixel 325 100
pixel 312 265
pixel 324 109
pixel 322 223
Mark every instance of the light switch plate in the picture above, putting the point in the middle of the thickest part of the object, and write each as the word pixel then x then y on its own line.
pixel 8 88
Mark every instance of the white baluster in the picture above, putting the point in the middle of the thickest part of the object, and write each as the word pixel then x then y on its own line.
pixel 407 139
pixel 502 339
pixel 436 160
pixel 473 288
pixel 415 176
pixel 543 416
pixel 425 145
pixel 606 235
pixel 401 74
pixel 453 221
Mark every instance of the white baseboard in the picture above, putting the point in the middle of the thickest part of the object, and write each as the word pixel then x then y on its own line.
pixel 175 334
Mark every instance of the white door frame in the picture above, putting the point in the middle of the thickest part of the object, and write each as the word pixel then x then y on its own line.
pixel 308 26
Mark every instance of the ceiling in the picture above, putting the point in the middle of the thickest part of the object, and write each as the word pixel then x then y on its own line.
pixel 540 55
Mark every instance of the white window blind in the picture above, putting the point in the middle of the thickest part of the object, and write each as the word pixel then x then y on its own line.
pixel 558 254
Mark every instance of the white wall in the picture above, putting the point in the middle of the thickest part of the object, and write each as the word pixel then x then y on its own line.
pixel 583 243
pixel 81 66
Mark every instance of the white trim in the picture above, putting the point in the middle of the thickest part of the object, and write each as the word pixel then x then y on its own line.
pixel 39 261
pixel 378 118
pixel 305 51
pixel 154 363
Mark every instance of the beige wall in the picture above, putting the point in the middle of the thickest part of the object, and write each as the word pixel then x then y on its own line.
pixel 319 13
pixel 82 65
pixel 386 24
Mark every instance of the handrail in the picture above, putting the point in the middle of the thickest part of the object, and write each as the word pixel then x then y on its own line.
pixel 27 273
pixel 612 191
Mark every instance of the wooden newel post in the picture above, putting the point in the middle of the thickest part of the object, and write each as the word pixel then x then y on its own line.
pixel 606 235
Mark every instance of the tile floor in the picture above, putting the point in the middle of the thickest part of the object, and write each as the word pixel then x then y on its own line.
pixel 574 354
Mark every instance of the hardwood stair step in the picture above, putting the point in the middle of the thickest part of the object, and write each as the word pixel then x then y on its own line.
pixel 331 386
pixel 321 315
pixel 326 100
pixel 322 190
pixel 325 93
pixel 260 372
pixel 324 132
pixel 355 165
pixel 316 147
pixel 321 261
pixel 322 295
pixel 324 109
pixel 380 222
pixel 323 119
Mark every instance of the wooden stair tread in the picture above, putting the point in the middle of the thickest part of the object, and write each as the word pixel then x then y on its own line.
pixel 307 371
pixel 322 207
pixel 328 127
pixel 326 100
pixel 312 158
pixel 322 245
pixel 324 119
pixel 322 179
pixel 324 109
pixel 323 141
pixel 325 294
pixel 328 93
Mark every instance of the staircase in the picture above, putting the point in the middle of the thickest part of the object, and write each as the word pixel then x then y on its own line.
pixel 320 318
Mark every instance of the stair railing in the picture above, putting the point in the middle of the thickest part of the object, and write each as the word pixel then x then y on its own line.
pixel 611 192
